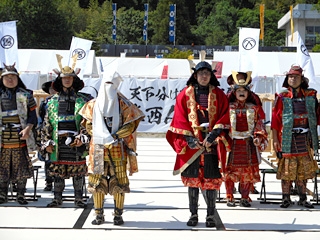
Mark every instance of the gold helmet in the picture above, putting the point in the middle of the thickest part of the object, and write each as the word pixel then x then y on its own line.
pixel 235 83
pixel 67 71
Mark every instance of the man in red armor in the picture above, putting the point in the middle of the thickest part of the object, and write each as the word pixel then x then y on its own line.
pixel 198 120
pixel 295 117
pixel 248 137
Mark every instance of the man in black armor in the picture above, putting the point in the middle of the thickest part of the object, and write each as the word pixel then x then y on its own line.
pixel 17 119
pixel 62 136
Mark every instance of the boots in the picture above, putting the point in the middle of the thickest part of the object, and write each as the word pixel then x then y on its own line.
pixel 303 201
pixel 244 202
pixel 78 192
pixel 286 202
pixel 99 217
pixel 98 200
pixel 21 189
pixel 231 202
pixel 302 188
pixel 211 206
pixel 230 190
pixel 118 208
pixel 245 190
pixel 59 185
pixel 193 206
pixel 118 220
pixel 48 187
pixel 49 179
pixel 78 200
pixel 3 194
pixel 56 201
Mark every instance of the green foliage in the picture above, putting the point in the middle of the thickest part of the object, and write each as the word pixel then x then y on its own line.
pixel 98 24
pixel 159 24
pixel 316 48
pixel 39 24
pixel 129 26
pixel 177 54
pixel 52 23
pixel 219 26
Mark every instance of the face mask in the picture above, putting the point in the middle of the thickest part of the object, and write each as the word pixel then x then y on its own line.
pixel 110 91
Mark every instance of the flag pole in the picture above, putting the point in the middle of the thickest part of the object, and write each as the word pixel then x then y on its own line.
pixel 291 22
pixel 262 24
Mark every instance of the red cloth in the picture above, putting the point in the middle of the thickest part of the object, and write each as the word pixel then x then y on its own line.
pixel 185 119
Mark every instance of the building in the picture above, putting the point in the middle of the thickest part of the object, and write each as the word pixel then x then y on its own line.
pixel 306 21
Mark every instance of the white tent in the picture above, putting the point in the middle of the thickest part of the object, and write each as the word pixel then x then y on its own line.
pixel 145 67
pixel 144 78
pixel 41 62
pixel 45 60
pixel 271 65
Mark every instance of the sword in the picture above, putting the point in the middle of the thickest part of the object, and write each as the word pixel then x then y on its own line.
pixel 1 128
pixel 122 150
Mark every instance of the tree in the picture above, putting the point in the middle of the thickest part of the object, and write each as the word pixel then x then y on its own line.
pixel 219 26
pixel 159 23
pixel 52 23
pixel 129 26
pixel 98 27
pixel 39 24
pixel 272 35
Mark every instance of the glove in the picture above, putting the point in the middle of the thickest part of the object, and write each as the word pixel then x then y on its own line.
pixel 213 135
pixel 115 136
pixel 83 138
pixel 191 141
pixel 69 140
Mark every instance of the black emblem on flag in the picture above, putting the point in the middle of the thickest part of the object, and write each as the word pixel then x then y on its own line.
pixel 7 42
pixel 248 43
pixel 81 53
pixel 304 50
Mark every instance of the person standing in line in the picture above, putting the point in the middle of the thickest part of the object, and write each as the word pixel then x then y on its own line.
pixel 111 119
pixel 200 115
pixel 17 121
pixel 295 116
pixel 248 138
pixel 47 88
pixel 62 136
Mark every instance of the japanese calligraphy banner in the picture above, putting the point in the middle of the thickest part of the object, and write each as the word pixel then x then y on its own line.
pixel 9 44
pixel 156 98
pixel 304 60
pixel 145 22
pixel 114 26
pixel 172 15
pixel 81 47
pixel 248 48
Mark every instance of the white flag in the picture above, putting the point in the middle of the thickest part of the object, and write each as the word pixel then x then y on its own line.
pixel 9 44
pixel 81 47
pixel 304 60
pixel 248 48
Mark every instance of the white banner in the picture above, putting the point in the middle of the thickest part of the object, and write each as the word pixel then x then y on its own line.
pixel 248 51
pixel 30 79
pixel 9 44
pixel 156 98
pixel 81 47
pixel 304 60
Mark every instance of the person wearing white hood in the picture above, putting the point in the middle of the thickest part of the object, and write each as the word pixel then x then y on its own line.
pixel 110 119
